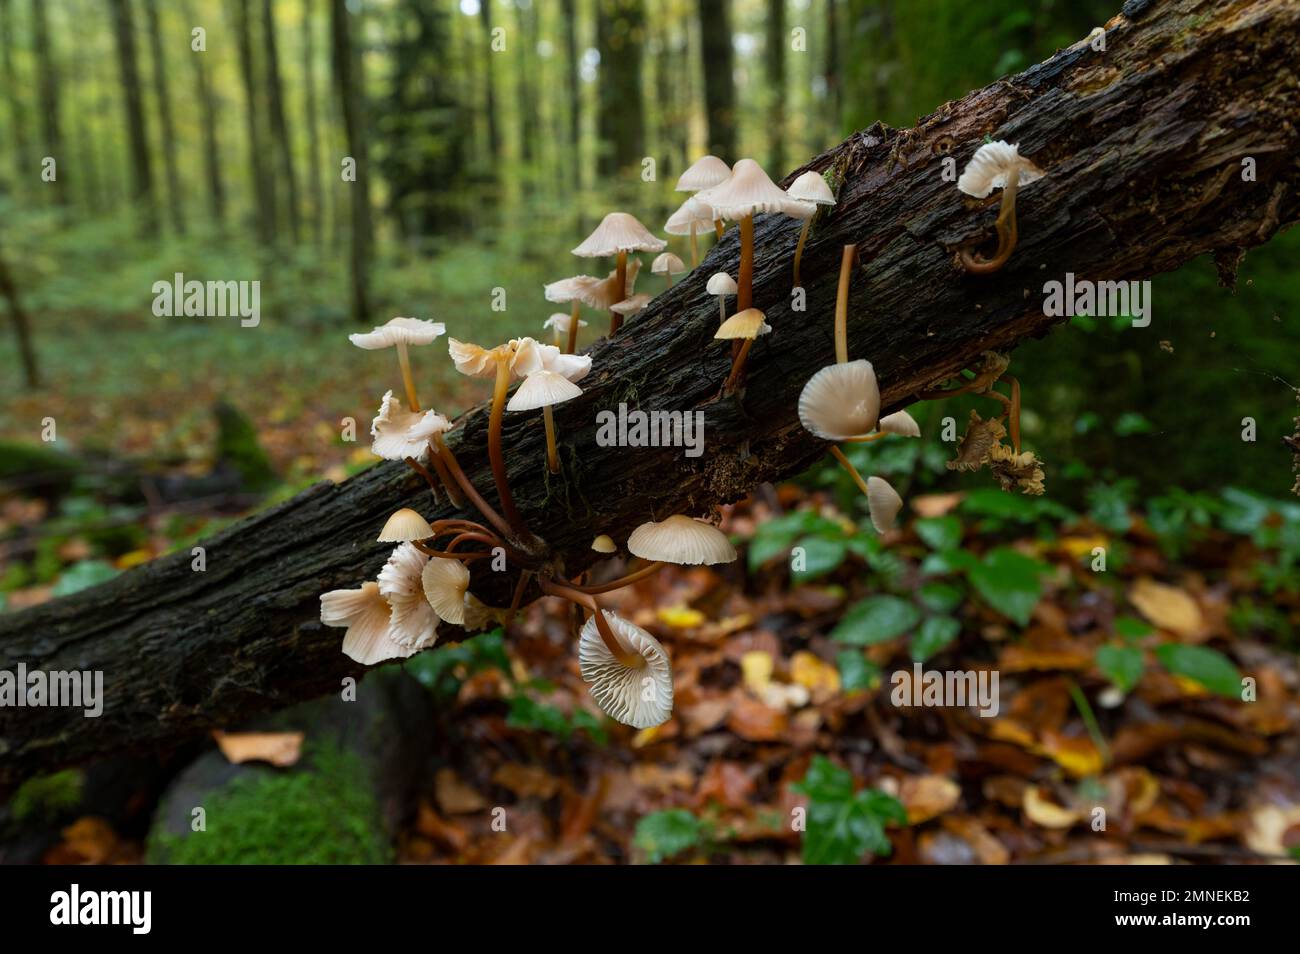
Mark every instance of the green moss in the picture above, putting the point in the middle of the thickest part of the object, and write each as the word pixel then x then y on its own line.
pixel 48 796
pixel 237 446
pixel 318 813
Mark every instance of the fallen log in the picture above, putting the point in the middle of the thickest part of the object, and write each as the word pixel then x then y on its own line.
pixel 1144 145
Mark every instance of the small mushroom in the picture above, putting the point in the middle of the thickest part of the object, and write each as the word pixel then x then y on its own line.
pixel 683 540
pixel 399 434
pixel 404 525
pixel 413 624
pixel 630 306
pixel 900 423
pixel 749 190
pixel 742 326
pixel 690 216
pixel 667 264
pixel 558 325
pixel 634 684
pixel 365 614
pixel 400 333
pixel 618 234
pixel 884 504
pixel 545 389
pixel 573 291
pixel 996 165
pixel 705 173
pixel 841 401
pixel 812 190
pixel 722 285
pixel 446 583
pixel 604 544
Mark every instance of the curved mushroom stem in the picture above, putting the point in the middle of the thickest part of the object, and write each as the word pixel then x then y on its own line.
pixel 745 296
pixel 853 471
pixel 517 599
pixel 487 538
pixel 1014 416
pixel 552 452
pixel 495 454
pixel 842 304
pixel 737 368
pixel 470 490
pixel 620 283
pixel 573 327
pixel 449 554
pixel 629 659
pixel 1008 235
pixel 423 471
pixel 635 577
pixel 404 361
pixel 453 494
pixel 798 251
pixel 695 248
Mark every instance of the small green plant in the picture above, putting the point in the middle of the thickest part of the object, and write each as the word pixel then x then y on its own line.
pixel 843 825
pixel 663 835
pixel 46 797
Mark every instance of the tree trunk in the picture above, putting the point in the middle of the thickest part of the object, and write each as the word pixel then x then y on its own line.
pixel 777 40
pixel 133 103
pixel 208 113
pixel 349 82
pixel 175 199
pixel 48 84
pixel 573 79
pixel 23 165
pixel 490 93
pixel 312 112
pixel 280 138
pixel 620 25
pixel 525 54
pixel 263 180
pixel 1141 177
pixel 719 86
pixel 22 332
pixel 831 68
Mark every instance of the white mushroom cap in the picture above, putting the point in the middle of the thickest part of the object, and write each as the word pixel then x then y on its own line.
pixel 543 388
pixel 690 213
pixel 602 293
pixel 841 401
pixel 445 583
pixel 403 525
pixel 569 289
pixel 992 167
pixel 619 232
pixel 366 615
pixel 681 539
pixel 411 331
pixel 811 187
pixel 704 173
pixel 475 361
pixel 560 322
pixel 640 696
pixel 798 209
pixel 604 544
pixel 720 283
pixel 401 434
pixel 743 324
pixel 413 624
pixel 666 263
pixel 883 502
pixel 749 190
pixel 900 422
pixel 631 305
pixel 531 355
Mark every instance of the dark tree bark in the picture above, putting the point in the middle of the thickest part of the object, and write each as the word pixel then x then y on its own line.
pixel 207 101
pixel 48 86
pixel 263 180
pixel 21 325
pixel 281 141
pixel 349 82
pixel 719 86
pixel 619 28
pixel 777 40
pixel 831 67
pixel 1142 176
pixel 175 199
pixel 312 111
pixel 490 92
pixel 24 167
pixel 573 77
pixel 133 103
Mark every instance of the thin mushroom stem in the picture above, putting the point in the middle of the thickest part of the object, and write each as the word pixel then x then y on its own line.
pixel 552 452
pixel 517 599
pixel 404 361
pixel 423 471
pixel 853 471
pixel 635 577
pixel 620 285
pixel 745 296
pixel 695 248
pixel 468 535
pixel 668 274
pixel 495 454
pixel 737 367
pixel 451 555
pixel 471 492
pixel 866 438
pixel 722 309
pixel 1014 417
pixel 718 227
pixel 1008 234
pixel 842 305
pixel 798 251
pixel 573 327
pixel 444 527
pixel 448 483
pixel 629 659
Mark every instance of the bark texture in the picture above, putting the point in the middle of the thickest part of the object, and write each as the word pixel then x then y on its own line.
pixel 1143 147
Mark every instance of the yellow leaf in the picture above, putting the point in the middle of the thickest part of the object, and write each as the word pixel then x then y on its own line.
pixel 810 671
pixel 756 666
pixel 1078 756
pixel 1045 813
pixel 1167 607
pixel 133 558
pixel 1080 547
pixel 680 617
pixel 927 796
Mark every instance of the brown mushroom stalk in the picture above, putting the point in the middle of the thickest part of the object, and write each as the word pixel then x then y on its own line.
pixel 798 251
pixel 574 321
pixel 745 294
pixel 1007 235
pixel 495 454
pixel 404 361
pixel 853 471
pixel 620 287
pixel 842 304
pixel 628 659
pixel 552 451
pixel 737 367
pixel 635 577
pixel 471 492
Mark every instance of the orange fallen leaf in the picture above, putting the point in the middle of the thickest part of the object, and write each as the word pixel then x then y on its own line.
pixel 280 749
pixel 454 796
pixel 1168 607
pixel 755 722
pixel 927 796
pixel 1046 813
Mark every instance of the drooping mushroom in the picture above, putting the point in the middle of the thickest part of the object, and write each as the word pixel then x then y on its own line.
pixel 446 583
pixel 365 614
pixel 618 234
pixel 841 401
pixel 631 305
pixel 404 525
pixel 749 190
pixel 996 165
pixel 634 684
pixel 400 333
pixel 722 285
pixel 743 326
pixel 900 423
pixel 683 540
pixel 883 502
pixel 690 216
pixel 667 264
pixel 413 624
pixel 559 325
pixel 705 173
pixel 573 291
pixel 812 189
pixel 399 434
pixel 545 389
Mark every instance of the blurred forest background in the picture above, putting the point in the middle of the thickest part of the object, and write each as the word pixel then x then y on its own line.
pixel 480 168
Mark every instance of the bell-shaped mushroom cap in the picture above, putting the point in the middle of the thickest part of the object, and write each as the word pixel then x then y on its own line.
pixel 403 525
pixel 604 544
pixel 883 502
pixel 841 401
pixel 811 187
pixel 531 355
pixel 798 209
pixel 365 613
pixel 900 422
pixel 743 324
pixel 639 696
pixel 704 173
pixel 411 331
pixel 630 305
pixel 619 232
pixel 680 539
pixel 543 389
pixel 445 583
pixel 413 624
pixel 992 167
pixel 401 434
pixel 560 322
pixel 666 263
pixel 691 213
pixel 720 283
pixel 569 289
pixel 475 361
pixel 749 190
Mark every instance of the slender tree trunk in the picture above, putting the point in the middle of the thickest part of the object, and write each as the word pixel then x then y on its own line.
pixel 207 100
pixel 263 180
pixel 831 69
pixel 719 86
pixel 490 107
pixel 281 141
pixel 573 75
pixel 620 27
pixel 351 87
pixel 24 168
pixel 48 83
pixel 22 328
pixel 777 41
pixel 312 112
pixel 142 191
pixel 175 198
pixel 525 53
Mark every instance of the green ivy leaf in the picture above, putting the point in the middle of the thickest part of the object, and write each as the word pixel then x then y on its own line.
pixel 1130 627
pixel 1122 665
pixel 821 556
pixel 844 825
pixel 1009 582
pixel 940 597
pixel 856 670
pixel 939 533
pixel 875 620
pixel 662 835
pixel 935 633
pixel 1210 668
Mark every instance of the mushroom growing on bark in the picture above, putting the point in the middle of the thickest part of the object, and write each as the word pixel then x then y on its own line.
pixel 743 326
pixel 404 525
pixel 618 234
pixel 996 165
pixel 559 325
pixel 809 188
pixel 690 216
pixel 572 291
pixel 632 679
pixel 705 173
pixel 400 333
pixel 365 614
pixel 722 285
pixel 749 190
pixel 545 389
pixel 667 264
